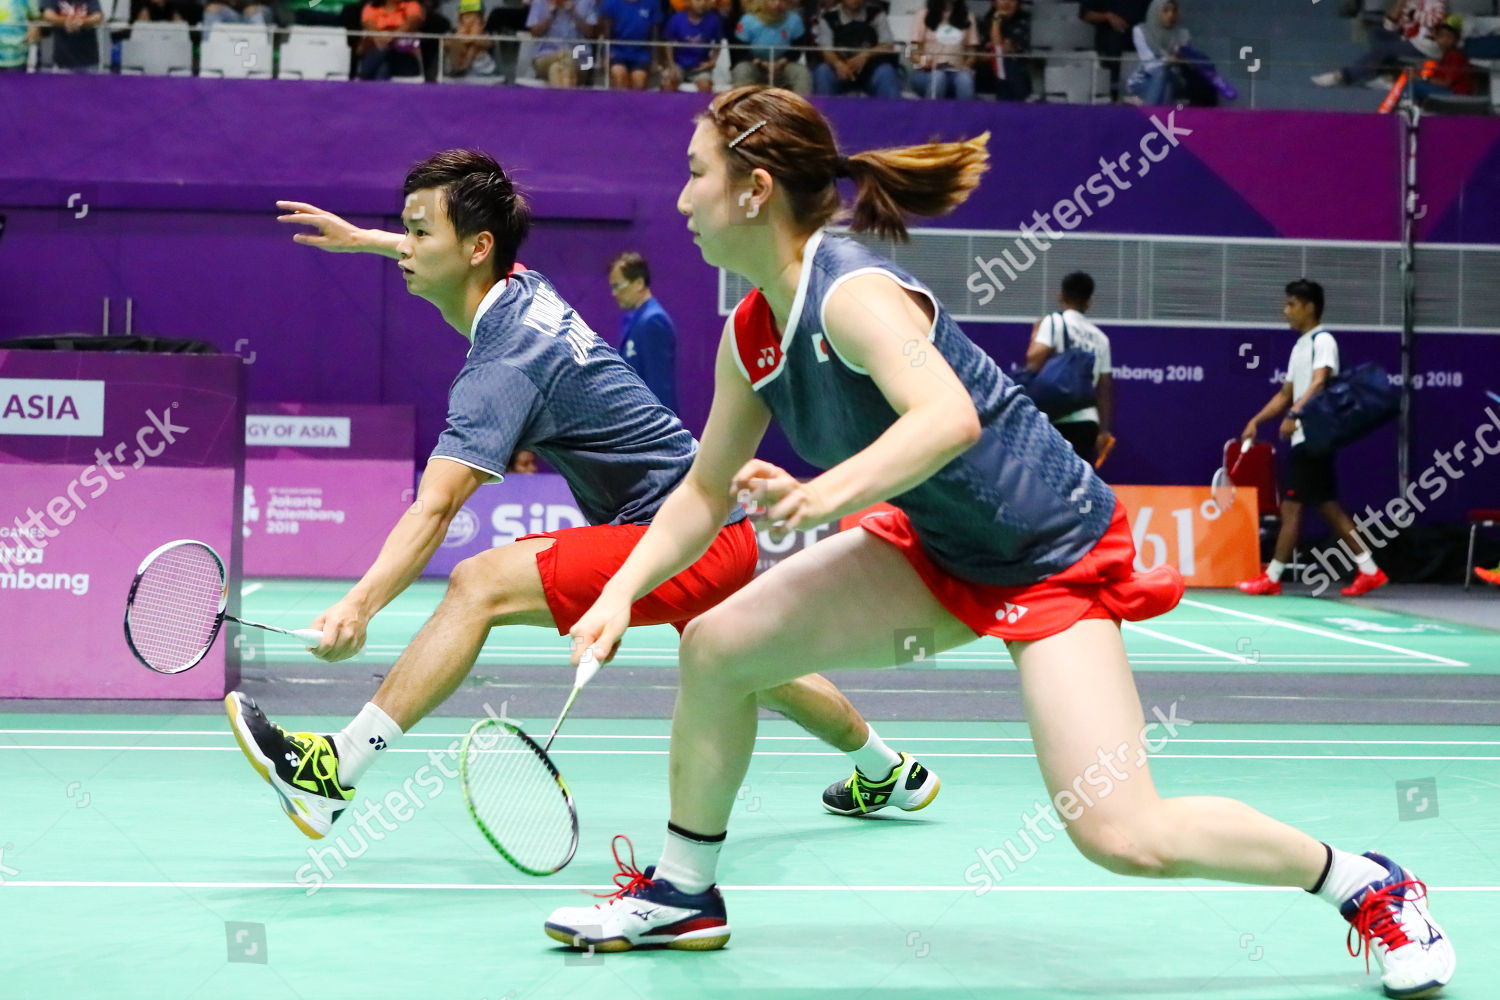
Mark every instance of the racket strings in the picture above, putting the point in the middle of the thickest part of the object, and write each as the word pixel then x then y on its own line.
pixel 175 609
pixel 515 795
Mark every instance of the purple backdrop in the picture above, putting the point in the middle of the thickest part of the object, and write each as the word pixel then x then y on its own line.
pixel 179 220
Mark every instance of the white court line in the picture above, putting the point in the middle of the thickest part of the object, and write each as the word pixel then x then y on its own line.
pixel 556 886
pixel 250 588
pixel 1236 657
pixel 1445 661
pixel 800 739
pixel 791 753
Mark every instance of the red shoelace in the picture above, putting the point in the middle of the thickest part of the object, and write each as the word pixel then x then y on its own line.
pixel 633 877
pixel 1376 918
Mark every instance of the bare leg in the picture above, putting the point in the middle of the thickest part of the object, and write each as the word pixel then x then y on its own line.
pixel 1334 516
pixel 1083 708
pixel 501 586
pixel 813 703
pixel 1291 525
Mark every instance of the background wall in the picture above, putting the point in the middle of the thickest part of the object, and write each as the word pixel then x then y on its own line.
pixel 162 191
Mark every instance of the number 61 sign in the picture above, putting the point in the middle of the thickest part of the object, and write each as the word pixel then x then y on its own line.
pixel 1183 527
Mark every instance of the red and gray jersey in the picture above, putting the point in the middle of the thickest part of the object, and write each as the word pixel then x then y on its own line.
pixel 1017 507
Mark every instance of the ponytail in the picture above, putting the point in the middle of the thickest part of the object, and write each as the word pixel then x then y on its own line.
pixel 931 179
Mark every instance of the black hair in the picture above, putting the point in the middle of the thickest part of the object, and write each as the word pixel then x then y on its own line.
pixel 935 8
pixel 632 265
pixel 1307 291
pixel 1078 288
pixel 479 198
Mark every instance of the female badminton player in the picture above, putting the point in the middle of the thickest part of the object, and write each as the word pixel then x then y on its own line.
pixel 999 529
pixel 536 378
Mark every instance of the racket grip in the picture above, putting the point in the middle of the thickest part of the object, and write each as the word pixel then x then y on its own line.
pixel 311 636
pixel 588 666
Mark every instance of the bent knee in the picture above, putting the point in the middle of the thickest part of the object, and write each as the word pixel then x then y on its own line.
pixel 1125 849
pixel 717 644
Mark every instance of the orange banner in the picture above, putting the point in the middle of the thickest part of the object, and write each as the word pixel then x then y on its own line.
pixel 1183 527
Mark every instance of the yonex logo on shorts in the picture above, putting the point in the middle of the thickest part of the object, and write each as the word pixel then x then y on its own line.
pixel 1011 613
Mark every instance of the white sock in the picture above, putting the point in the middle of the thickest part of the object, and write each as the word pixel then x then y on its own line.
pixel 688 860
pixel 1366 562
pixel 1348 874
pixel 875 759
pixel 370 732
pixel 1274 569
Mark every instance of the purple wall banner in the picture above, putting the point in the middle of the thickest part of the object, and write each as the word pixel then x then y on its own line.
pixel 500 513
pixel 106 457
pixel 324 485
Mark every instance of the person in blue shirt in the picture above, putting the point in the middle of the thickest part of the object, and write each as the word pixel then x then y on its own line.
pixel 648 340
pixel 697 26
pixel 630 21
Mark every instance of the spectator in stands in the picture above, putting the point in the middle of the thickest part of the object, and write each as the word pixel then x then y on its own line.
pixel 75 43
pixel 1087 429
pixel 1452 73
pixel 1112 21
pixel 648 340
pixel 701 31
pixel 387 54
pixel 469 55
pixel 944 45
pixel 1004 36
pixel 626 23
pixel 16 36
pixel 235 12
pixel 563 23
pixel 323 13
pixel 181 11
pixel 769 29
pixel 858 51
pixel 1404 36
pixel 1159 40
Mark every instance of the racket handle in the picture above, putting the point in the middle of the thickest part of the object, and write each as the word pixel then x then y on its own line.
pixel 311 636
pixel 588 666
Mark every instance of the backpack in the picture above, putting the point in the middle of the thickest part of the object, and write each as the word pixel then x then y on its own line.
pixel 1065 383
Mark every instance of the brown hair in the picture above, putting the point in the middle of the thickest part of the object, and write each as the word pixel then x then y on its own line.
pixel 783 134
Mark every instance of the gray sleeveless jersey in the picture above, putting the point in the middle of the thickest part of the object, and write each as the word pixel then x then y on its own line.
pixel 1015 508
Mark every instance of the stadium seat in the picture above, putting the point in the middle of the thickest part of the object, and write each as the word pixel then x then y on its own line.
pixel 237 51
pixel 311 53
pixel 1057 27
pixel 1076 81
pixel 1481 518
pixel 161 49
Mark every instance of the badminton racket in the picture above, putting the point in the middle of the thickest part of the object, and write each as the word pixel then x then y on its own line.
pixel 515 793
pixel 176 607
pixel 1222 483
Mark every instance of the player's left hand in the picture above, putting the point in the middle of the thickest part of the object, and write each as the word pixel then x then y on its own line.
pixel 1288 427
pixel 777 499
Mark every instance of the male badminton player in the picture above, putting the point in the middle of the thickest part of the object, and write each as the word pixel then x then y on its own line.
pixel 536 378
pixel 999 529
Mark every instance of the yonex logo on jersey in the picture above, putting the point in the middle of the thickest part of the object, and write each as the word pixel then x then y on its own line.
pixel 1011 613
pixel 767 358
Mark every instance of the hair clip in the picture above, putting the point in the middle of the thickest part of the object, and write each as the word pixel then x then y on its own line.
pixel 747 133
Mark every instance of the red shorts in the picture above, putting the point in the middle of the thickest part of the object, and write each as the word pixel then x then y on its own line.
pixel 576 568
pixel 1103 584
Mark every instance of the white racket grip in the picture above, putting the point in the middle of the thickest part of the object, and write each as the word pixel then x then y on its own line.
pixel 311 636
pixel 588 666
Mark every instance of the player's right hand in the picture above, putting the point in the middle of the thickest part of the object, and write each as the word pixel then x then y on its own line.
pixel 343 627
pixel 333 233
pixel 600 629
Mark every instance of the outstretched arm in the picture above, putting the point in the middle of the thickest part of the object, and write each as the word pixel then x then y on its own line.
pixel 335 234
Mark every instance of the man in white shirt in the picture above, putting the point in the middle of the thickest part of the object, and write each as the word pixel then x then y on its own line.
pixel 1310 477
pixel 1087 429
pixel 1404 36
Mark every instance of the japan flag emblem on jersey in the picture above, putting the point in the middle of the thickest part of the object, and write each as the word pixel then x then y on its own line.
pixel 820 347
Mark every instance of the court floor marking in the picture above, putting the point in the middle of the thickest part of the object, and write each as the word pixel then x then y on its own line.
pixel 1298 627
pixel 1152 633
pixel 802 739
pixel 535 887
pixel 786 753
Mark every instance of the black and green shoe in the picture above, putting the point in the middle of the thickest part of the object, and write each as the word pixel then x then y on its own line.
pixel 908 787
pixel 302 768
